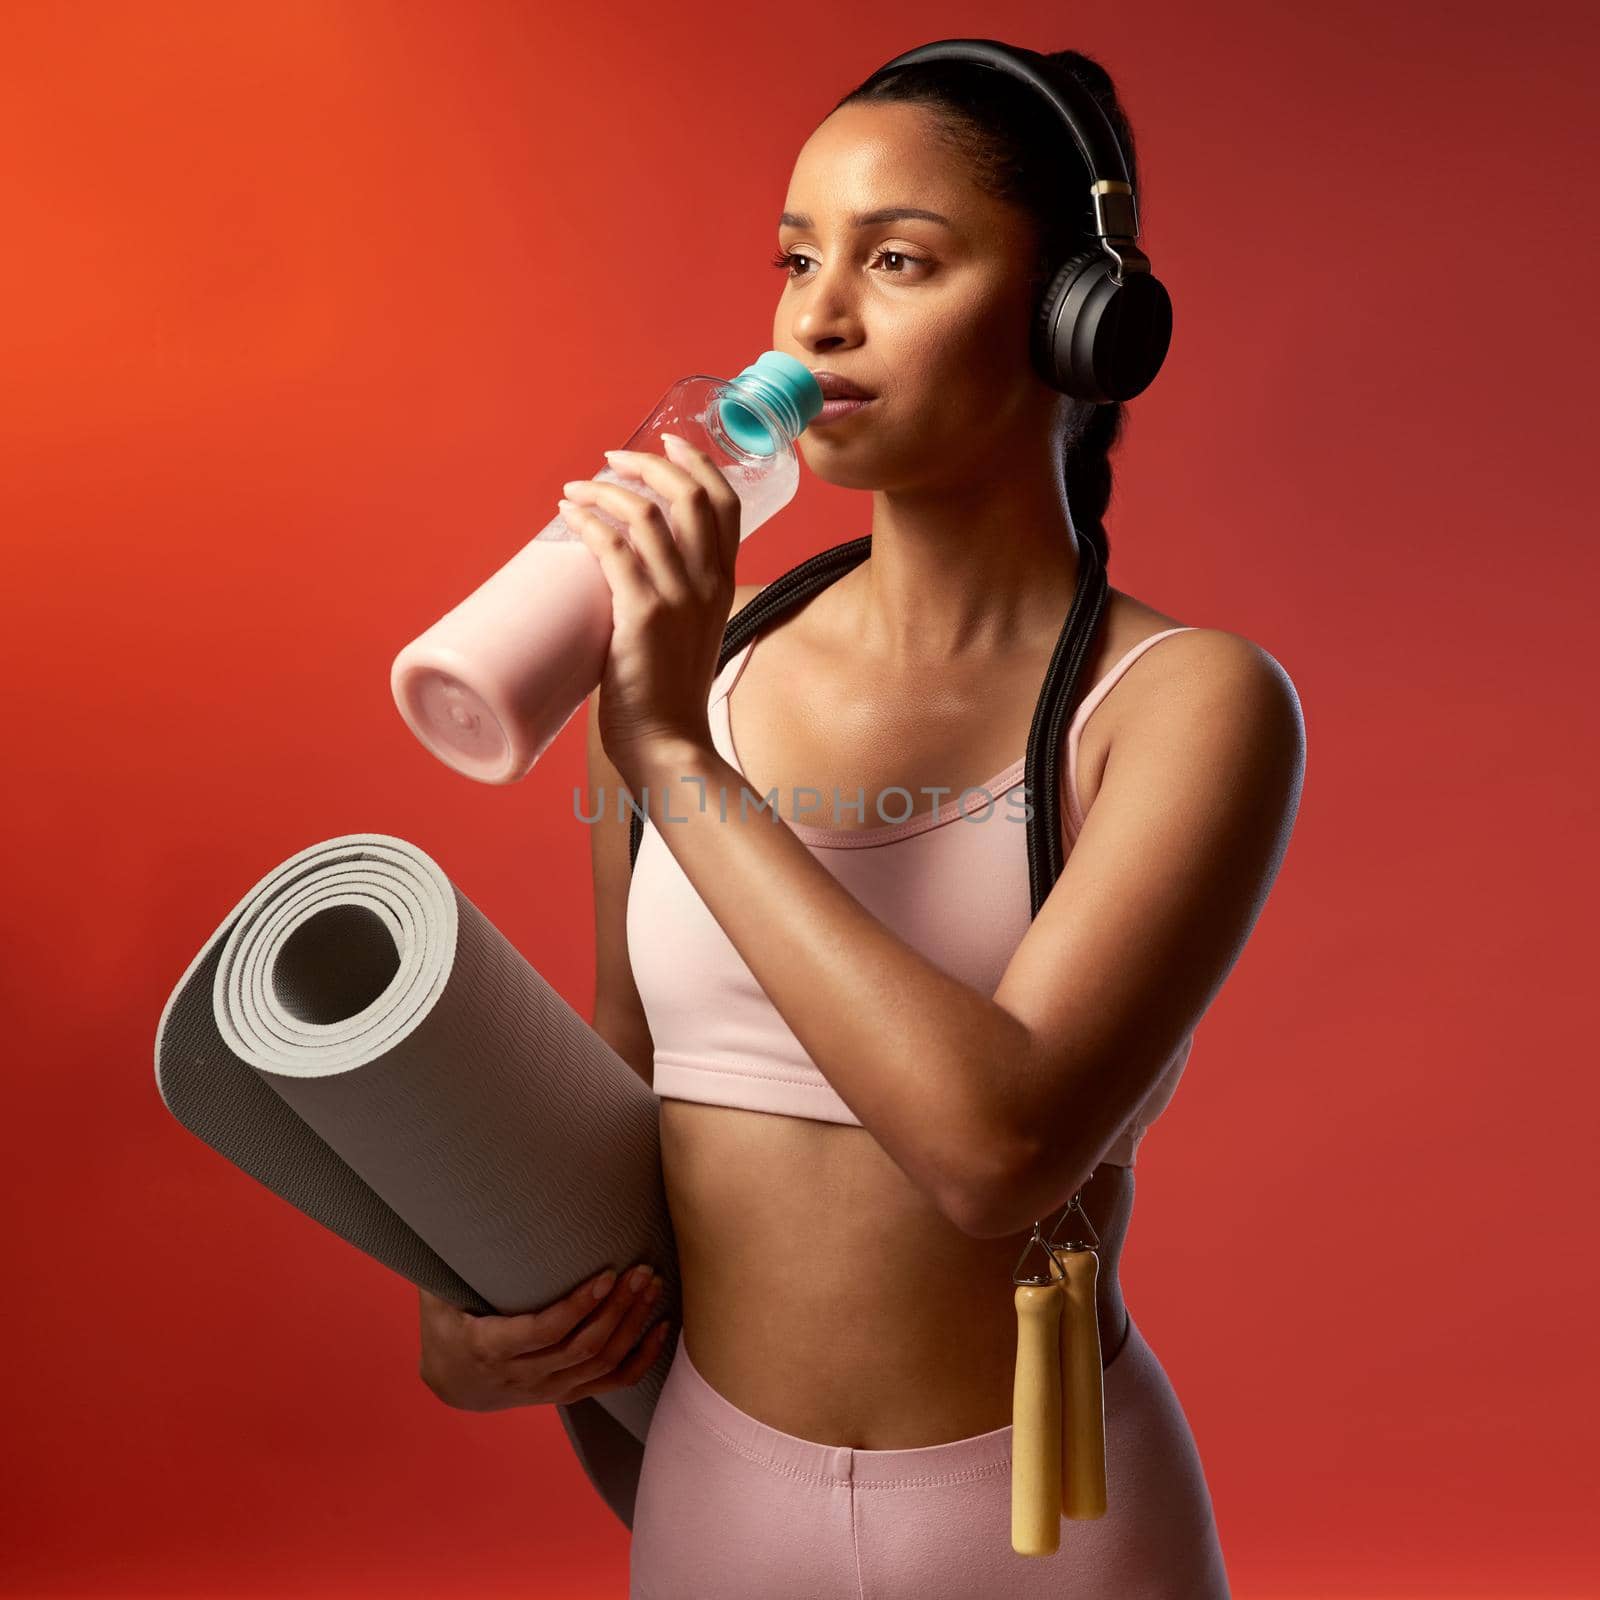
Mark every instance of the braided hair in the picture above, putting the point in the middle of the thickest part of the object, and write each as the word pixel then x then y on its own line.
pixel 1017 149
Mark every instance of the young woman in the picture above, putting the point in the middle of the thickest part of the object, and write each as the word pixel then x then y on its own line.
pixel 875 1071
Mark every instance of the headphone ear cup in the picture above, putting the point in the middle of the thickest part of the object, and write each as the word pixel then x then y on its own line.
pixel 1098 340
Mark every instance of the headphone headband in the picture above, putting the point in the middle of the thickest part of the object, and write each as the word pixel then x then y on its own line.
pixel 1116 208
pixel 1084 116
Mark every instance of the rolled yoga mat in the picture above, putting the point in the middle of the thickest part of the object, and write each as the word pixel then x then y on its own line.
pixel 357 1036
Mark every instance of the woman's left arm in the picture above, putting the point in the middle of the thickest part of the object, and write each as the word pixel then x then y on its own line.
pixel 1154 905
pixel 1161 890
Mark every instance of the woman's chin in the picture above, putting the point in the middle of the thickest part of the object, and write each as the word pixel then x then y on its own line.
pixel 842 472
pixel 843 456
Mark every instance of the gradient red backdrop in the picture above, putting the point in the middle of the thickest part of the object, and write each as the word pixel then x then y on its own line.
pixel 307 310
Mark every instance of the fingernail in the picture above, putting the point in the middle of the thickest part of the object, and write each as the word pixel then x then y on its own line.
pixel 603 1287
pixel 641 1276
pixel 566 505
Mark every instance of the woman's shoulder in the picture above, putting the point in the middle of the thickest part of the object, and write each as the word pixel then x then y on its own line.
pixel 1162 667
pixel 1190 649
pixel 1211 680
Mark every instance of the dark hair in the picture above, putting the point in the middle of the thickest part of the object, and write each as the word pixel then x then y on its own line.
pixel 1018 150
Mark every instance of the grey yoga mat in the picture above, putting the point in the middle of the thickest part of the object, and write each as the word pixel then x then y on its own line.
pixel 357 1036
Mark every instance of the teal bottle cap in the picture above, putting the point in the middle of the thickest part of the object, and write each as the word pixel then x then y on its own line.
pixel 782 384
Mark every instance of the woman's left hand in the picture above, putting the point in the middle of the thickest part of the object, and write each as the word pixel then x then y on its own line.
pixel 671 592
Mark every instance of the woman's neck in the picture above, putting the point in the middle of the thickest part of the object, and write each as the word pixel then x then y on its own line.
pixel 954 578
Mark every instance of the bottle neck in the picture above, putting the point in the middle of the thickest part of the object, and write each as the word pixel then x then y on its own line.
pixel 767 409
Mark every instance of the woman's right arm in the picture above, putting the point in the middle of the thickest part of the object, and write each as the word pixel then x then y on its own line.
pixel 619 1016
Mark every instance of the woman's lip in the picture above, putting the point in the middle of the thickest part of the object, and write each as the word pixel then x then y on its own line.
pixel 842 406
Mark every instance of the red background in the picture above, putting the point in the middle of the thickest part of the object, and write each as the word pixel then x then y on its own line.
pixel 308 309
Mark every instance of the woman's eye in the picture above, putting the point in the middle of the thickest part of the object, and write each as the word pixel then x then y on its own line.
pixel 784 260
pixel 900 255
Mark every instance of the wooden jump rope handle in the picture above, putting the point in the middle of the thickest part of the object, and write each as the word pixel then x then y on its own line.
pixel 1083 1433
pixel 1036 1455
pixel 1058 1436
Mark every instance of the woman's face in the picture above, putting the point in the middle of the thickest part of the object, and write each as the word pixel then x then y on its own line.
pixel 930 317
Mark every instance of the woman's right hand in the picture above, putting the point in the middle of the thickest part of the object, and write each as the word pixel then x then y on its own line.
pixel 564 1352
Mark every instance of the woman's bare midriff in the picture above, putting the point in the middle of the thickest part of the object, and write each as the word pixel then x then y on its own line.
pixel 823 1293
pixel 826 1297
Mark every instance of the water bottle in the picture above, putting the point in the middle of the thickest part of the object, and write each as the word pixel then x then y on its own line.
pixel 492 682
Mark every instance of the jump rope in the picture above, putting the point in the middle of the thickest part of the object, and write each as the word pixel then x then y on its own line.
pixel 1100 332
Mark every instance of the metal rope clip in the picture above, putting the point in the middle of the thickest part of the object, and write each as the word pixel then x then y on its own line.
pixel 1036 1238
pixel 1076 1240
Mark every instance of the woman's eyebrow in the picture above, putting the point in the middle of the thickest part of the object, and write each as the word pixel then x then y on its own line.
pixel 863 219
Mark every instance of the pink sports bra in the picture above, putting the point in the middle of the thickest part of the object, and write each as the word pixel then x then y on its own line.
pixel 954 887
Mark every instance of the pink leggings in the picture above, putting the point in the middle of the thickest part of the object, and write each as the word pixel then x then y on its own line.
pixel 730 1509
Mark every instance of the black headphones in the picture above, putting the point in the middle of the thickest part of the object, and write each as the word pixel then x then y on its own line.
pixel 1104 321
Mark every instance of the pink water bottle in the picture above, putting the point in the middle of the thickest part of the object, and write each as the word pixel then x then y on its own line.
pixel 492 682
